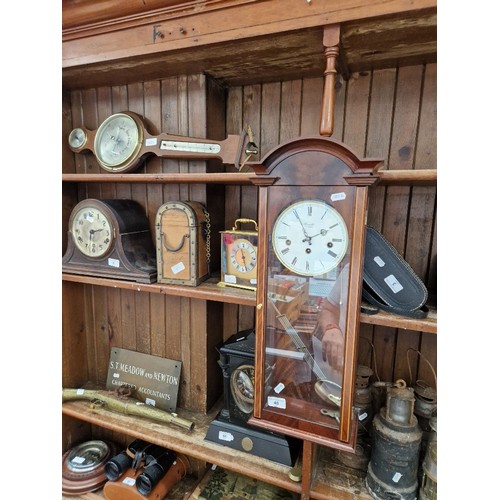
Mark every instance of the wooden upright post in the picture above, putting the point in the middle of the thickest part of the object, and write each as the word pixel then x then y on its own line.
pixel 331 42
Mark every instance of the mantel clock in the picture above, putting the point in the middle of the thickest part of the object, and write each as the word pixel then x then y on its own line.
pixel 313 195
pixel 110 239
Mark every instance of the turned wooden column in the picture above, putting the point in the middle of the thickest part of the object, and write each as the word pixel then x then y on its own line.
pixel 331 43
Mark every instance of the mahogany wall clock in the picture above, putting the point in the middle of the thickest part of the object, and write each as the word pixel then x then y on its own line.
pixel 111 239
pixel 313 195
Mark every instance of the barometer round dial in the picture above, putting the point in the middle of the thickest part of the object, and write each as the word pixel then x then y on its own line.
pixel 117 142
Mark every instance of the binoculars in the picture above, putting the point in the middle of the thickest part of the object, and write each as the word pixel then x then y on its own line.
pixel 145 466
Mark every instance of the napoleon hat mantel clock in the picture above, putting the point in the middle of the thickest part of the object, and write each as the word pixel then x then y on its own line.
pixel 122 141
pixel 110 239
pixel 313 195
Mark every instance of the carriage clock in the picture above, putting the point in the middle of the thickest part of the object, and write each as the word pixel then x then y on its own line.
pixel 239 256
pixel 122 141
pixel 313 195
pixel 110 239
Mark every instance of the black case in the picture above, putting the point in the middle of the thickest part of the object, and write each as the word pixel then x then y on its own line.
pixel 389 282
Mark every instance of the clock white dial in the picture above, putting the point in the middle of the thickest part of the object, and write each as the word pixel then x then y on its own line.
pixel 310 237
pixel 92 232
pixel 117 142
pixel 243 256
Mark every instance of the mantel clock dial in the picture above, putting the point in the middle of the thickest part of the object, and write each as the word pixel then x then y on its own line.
pixel 112 239
pixel 92 232
pixel 313 195
pixel 122 141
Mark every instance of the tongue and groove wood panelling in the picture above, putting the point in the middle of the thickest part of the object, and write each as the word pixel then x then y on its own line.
pixel 388 113
pixel 167 326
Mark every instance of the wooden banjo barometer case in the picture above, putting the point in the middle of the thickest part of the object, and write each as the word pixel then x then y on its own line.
pixel 313 195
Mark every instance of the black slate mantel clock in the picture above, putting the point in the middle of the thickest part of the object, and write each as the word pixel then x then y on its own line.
pixel 313 195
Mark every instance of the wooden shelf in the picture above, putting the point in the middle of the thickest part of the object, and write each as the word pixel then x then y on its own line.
pixel 382 318
pixel 188 178
pixel 419 177
pixel 193 444
pixel 209 290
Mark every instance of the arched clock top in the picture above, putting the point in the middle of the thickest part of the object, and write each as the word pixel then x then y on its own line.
pixel 315 161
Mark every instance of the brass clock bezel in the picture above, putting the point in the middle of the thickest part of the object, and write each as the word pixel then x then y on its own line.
pixel 73 136
pixel 338 257
pixel 133 159
pixel 243 401
pixel 252 271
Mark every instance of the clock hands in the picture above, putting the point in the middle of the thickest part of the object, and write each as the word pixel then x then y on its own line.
pixel 91 235
pixel 307 237
pixel 243 258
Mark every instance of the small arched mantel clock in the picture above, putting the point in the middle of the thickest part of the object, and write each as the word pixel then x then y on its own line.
pixel 313 196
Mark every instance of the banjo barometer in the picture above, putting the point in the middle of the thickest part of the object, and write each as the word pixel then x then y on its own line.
pixel 122 141
pixel 313 195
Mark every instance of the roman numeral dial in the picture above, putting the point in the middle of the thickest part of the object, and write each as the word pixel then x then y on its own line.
pixel 310 237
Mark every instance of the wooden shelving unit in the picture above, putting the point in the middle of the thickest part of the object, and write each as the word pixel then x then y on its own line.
pixel 235 59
